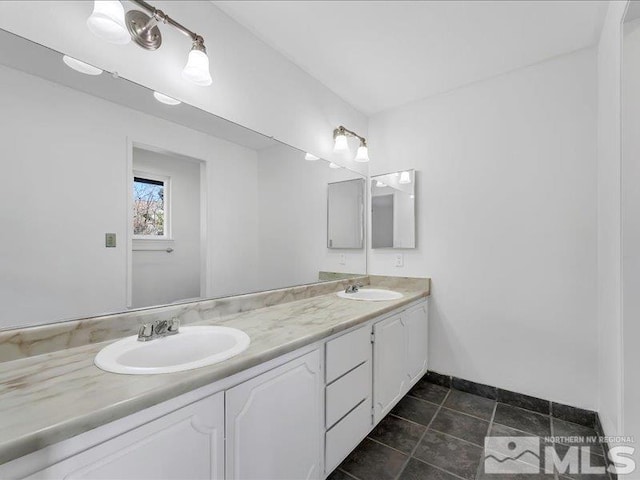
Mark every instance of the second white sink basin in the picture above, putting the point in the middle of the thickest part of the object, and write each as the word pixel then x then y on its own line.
pixel 192 347
pixel 371 295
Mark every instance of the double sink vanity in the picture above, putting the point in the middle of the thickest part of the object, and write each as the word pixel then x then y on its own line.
pixel 312 370
pixel 194 376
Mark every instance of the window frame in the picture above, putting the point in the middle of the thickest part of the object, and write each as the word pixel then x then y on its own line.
pixel 166 181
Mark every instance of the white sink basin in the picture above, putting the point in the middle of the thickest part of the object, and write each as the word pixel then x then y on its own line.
pixel 192 347
pixel 371 295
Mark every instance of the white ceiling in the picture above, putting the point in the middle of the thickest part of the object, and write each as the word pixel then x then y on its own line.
pixel 381 54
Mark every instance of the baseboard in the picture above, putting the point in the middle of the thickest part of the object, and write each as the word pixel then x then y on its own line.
pixel 581 416
pixel 588 418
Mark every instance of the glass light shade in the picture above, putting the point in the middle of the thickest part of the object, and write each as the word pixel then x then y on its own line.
pixel 107 22
pixel 412 196
pixel 405 178
pixel 310 157
pixel 333 165
pixel 166 99
pixel 380 184
pixel 363 154
pixel 197 68
pixel 79 66
pixel 340 143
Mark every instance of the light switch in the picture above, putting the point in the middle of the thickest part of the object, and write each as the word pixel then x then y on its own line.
pixel 399 260
pixel 343 259
pixel 110 240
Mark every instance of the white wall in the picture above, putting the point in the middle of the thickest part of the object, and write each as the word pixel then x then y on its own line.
pixel 506 225
pixel 159 277
pixel 609 223
pixel 631 229
pixel 290 207
pixel 253 85
pixel 65 161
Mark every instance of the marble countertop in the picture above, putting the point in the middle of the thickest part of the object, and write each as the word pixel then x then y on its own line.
pixel 36 392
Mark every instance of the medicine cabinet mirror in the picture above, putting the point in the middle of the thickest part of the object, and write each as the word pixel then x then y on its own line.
pixel 393 211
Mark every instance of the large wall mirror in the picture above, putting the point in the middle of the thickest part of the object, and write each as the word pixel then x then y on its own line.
pixel 345 214
pixel 112 200
pixel 393 211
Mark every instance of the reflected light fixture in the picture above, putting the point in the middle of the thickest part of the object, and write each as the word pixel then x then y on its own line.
pixel 109 22
pixel 79 66
pixel 380 184
pixel 340 144
pixel 405 178
pixel 334 165
pixel 166 99
pixel 310 157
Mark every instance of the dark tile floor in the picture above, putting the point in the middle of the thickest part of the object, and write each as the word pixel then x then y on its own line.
pixel 436 433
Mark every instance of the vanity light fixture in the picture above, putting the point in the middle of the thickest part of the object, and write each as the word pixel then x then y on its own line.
pixel 310 157
pixel 109 22
pixel 405 178
pixel 339 141
pixel 380 184
pixel 197 68
pixel 340 135
pixel 81 67
pixel 166 99
pixel 334 165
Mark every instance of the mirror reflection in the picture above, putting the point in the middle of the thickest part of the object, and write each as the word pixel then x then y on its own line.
pixel 346 214
pixel 115 199
pixel 393 216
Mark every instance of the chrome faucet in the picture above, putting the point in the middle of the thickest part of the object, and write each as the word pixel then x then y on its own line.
pixel 353 288
pixel 158 329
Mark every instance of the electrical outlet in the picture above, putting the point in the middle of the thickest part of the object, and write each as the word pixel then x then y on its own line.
pixel 399 260
pixel 110 240
pixel 343 259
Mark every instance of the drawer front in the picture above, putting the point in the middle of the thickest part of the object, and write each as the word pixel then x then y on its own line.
pixel 347 352
pixel 347 392
pixel 346 435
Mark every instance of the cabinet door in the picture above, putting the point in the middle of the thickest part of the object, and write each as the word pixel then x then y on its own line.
pixel 416 326
pixel 274 423
pixel 389 365
pixel 185 444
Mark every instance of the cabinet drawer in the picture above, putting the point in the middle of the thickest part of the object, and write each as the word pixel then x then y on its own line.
pixel 347 392
pixel 347 352
pixel 344 437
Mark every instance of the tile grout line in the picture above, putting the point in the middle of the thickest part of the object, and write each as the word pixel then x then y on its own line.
pixel 458 438
pixel 556 474
pixel 438 468
pixel 465 413
pixel 347 473
pixel 410 456
pixel 493 416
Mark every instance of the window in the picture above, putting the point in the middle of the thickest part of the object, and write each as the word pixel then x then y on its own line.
pixel 150 201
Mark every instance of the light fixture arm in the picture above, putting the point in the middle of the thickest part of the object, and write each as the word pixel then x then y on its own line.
pixel 341 130
pixel 160 16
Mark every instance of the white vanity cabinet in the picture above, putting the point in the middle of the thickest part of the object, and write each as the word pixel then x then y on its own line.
pixel 273 423
pixel 399 356
pixel 348 392
pixel 294 417
pixel 186 443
